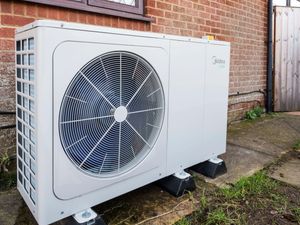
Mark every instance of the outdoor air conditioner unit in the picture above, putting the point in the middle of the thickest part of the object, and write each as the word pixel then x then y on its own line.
pixel 103 111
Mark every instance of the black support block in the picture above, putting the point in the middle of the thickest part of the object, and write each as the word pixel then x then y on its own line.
pixel 177 186
pixel 211 168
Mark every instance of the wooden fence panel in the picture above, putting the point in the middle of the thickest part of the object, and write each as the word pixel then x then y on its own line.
pixel 287 59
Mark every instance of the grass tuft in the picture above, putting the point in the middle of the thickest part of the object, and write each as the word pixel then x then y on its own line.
pixel 183 221
pixel 218 216
pixel 257 184
pixel 296 212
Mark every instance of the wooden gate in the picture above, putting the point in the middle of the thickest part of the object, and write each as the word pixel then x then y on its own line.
pixel 287 59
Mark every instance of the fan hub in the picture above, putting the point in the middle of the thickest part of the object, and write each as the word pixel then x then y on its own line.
pixel 120 114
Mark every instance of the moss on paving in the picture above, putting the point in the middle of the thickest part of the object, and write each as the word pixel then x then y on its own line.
pixel 296 146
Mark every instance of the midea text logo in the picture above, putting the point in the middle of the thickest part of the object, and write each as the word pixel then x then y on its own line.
pixel 217 61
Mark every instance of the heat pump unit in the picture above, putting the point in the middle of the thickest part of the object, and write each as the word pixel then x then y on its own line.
pixel 103 111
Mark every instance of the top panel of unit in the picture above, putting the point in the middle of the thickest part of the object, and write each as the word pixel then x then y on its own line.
pixel 101 29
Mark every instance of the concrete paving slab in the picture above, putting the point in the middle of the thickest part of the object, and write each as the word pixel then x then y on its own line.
pixel 293 122
pixel 270 136
pixel 297 113
pixel 240 162
pixel 288 172
pixel 10 202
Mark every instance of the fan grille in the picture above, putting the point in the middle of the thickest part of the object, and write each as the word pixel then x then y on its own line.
pixel 111 114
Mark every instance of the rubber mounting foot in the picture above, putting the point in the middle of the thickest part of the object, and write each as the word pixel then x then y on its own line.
pixel 97 221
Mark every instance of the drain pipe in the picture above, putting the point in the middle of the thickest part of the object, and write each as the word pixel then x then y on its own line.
pixel 269 98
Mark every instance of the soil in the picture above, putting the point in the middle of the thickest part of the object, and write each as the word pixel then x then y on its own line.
pixel 276 206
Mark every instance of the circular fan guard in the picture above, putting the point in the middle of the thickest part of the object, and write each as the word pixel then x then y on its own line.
pixel 111 114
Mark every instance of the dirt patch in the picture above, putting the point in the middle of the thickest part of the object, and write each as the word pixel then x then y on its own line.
pixel 255 200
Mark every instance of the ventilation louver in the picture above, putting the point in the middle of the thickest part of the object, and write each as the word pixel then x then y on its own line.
pixel 111 114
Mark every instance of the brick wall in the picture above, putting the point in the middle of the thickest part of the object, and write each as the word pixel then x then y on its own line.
pixel 241 22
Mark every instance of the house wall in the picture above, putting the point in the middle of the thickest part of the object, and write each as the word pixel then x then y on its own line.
pixel 241 22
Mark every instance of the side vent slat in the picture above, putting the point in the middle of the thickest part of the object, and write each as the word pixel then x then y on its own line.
pixel 25 77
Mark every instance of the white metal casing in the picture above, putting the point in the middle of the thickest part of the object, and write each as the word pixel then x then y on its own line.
pixel 194 74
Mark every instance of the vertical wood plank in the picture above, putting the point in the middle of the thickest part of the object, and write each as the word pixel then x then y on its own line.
pixel 277 54
pixel 284 59
pixel 294 61
pixel 297 61
pixel 287 59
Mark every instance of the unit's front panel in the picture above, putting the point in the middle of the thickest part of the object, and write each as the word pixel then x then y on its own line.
pixel 216 99
pixel 109 114
pixel 185 133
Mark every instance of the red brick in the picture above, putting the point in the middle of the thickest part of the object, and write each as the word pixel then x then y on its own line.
pixel 7 57
pixel 185 32
pixel 31 10
pixel 91 19
pixel 198 7
pixel 6 6
pixel 192 26
pixel 7 32
pixel 186 18
pixel 179 24
pixel 7 44
pixel 175 2
pixel 178 9
pixel 186 3
pixel 150 3
pixel 135 26
pixel 108 21
pixel 115 23
pixel 210 10
pixel 73 16
pixel 158 29
pixel 42 11
pixel 19 8
pixel 164 22
pixel 163 6
pixel 53 13
pixel 63 14
pixel 155 12
pixel 220 13
pixel 215 30
pixel 15 20
pixel 205 28
pixel 171 30
pixel 172 15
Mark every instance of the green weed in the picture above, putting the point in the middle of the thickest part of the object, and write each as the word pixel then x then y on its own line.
pixel 4 162
pixel 254 113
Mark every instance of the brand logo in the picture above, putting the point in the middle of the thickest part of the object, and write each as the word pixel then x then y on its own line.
pixel 216 60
